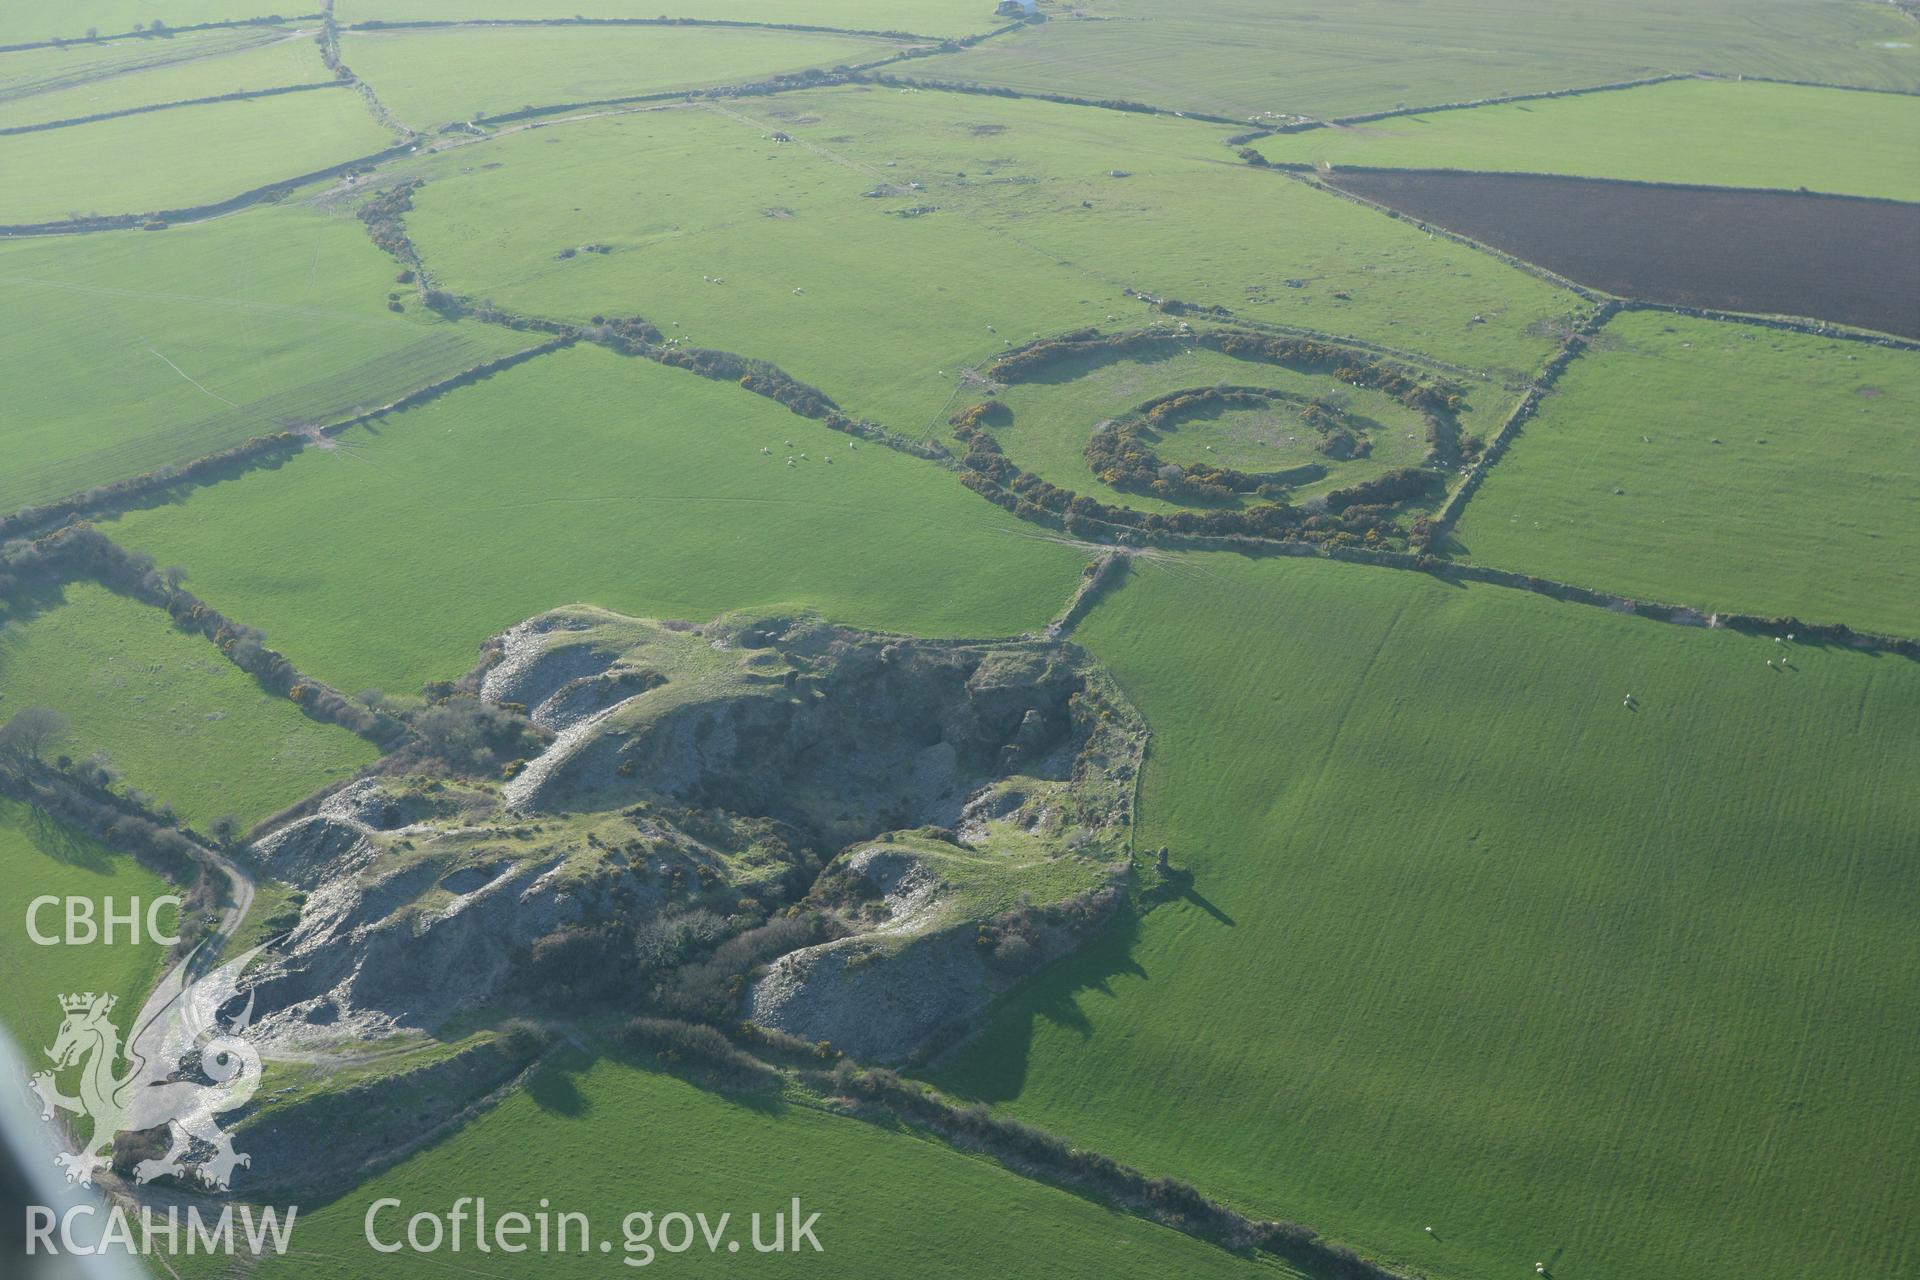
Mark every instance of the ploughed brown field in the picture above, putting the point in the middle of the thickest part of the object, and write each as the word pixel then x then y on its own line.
pixel 1832 258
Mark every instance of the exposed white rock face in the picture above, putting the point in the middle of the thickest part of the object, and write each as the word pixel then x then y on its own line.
pixel 712 772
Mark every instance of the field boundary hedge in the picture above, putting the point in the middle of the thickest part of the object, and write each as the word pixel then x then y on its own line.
pixel 1816 84
pixel 329 43
pixel 1294 166
pixel 1307 126
pixel 793 82
pixel 157 842
pixel 1307 176
pixel 1835 633
pixel 636 336
pixel 237 96
pixel 158 219
pixel 129 494
pixel 1787 324
pixel 1000 91
pixel 1096 580
pixel 431 24
pixel 1033 1152
pixel 62 42
pixel 80 551
pixel 1794 324
pixel 1570 349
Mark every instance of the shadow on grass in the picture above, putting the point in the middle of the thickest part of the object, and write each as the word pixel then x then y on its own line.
pixel 552 1085
pixel 552 1090
pixel 1177 886
pixel 20 606
pixel 65 845
pixel 992 1066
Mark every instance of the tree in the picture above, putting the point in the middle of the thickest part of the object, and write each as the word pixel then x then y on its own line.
pixel 31 731
pixel 225 829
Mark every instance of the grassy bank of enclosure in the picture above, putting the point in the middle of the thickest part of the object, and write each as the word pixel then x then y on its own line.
pixel 1721 466
pixel 1052 420
pixel 1241 57
pixel 586 476
pixel 1712 132
pixel 172 714
pixel 133 350
pixel 1470 944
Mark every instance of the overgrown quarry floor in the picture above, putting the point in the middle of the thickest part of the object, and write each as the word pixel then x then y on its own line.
pixel 714 770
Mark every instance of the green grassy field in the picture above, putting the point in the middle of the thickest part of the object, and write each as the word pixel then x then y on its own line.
pixel 28 23
pixel 1471 945
pixel 40 857
pixel 178 719
pixel 889 1203
pixel 131 350
pixel 63 84
pixel 586 476
pixel 428 78
pixel 1711 132
pixel 181 158
pixel 1052 421
pixel 724 236
pixel 1579 938
pixel 1758 472
pixel 945 18
pixel 1241 58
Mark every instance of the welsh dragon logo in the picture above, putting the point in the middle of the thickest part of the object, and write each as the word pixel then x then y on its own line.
pixel 180 1019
